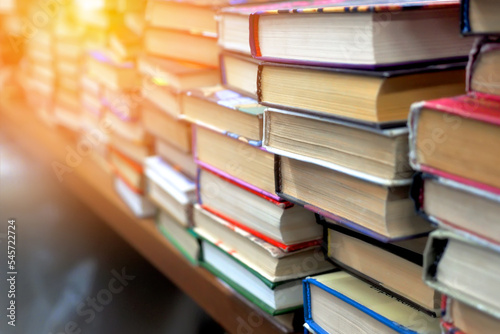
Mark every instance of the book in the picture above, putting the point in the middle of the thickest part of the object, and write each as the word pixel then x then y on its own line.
pixel 183 239
pixel 239 73
pixel 225 110
pixel 447 139
pixel 138 204
pixel 124 103
pixel 395 267
pixel 114 75
pixel 129 171
pixel 182 46
pixel 179 160
pixel 441 200
pixel 124 44
pixel 272 298
pixel 184 16
pixel 461 318
pixel 158 92
pixel 368 96
pixel 340 303
pixel 339 42
pixel 377 155
pixel 180 75
pixel 127 129
pixel 163 126
pixel 279 223
pixel 465 268
pixel 247 165
pixel 268 260
pixel 384 213
pixel 483 68
pixel 480 17
pixel 173 192
pixel 136 152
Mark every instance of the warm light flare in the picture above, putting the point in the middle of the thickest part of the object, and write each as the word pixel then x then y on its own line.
pixel 91 4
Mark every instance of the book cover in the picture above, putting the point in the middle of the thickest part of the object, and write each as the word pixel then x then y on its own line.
pixel 464 106
pixel 482 47
pixel 369 300
pixel 401 130
pixel 465 19
pixel 224 74
pixel 436 247
pixel 342 6
pixel 134 165
pixel 140 205
pixel 178 245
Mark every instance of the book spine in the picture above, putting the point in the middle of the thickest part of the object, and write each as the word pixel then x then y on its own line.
pixel 415 110
pixel 254 36
pixel 464 17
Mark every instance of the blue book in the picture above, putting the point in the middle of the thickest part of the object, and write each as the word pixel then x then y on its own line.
pixel 341 303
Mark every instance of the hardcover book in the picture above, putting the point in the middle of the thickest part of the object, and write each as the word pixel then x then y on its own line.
pixel 483 68
pixel 179 160
pixel 268 260
pixel 447 139
pixel 138 204
pixel 423 31
pixel 465 268
pixel 380 98
pixel 440 200
pixel 159 92
pixel 356 306
pixel 282 224
pixel 395 267
pixel 375 155
pixel 239 73
pixel 236 159
pixel 130 172
pixel 225 110
pixel 460 318
pixel 381 212
pixel 272 298
pixel 480 17
pixel 114 75
pixel 170 190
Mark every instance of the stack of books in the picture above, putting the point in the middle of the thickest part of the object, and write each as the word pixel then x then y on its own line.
pixel 452 144
pixel 336 122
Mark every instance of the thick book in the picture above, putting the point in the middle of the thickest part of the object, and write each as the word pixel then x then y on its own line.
pixel 165 127
pixel 273 263
pixel 484 66
pixel 282 224
pixel 178 159
pixel 225 110
pixel 272 298
pixel 395 267
pixel 110 73
pixel 239 73
pixel 170 190
pixel 124 127
pixel 134 151
pixel 158 91
pixel 440 200
pixel 341 303
pixel 181 237
pixel 480 17
pixel 131 172
pixel 235 158
pixel 375 155
pixel 180 75
pixel 182 46
pixel 328 33
pixel 382 212
pixel 460 318
pixel 138 204
pixel 466 268
pixel 448 136
pixel 380 98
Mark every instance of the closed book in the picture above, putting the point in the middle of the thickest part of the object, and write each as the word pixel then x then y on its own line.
pixel 460 318
pixel 236 159
pixel 140 206
pixel 131 172
pixel 110 73
pixel 159 92
pixel 483 68
pixel 273 263
pixel 380 98
pixel 181 45
pixel 272 298
pixel 178 159
pixel 465 268
pixel 447 139
pixel 239 73
pixel 440 200
pixel 173 192
pixel 376 155
pixel 394 267
pixel 179 75
pixel 226 111
pixel 341 303
pixel 480 17
pixel 423 31
pixel 381 212
pixel 282 224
